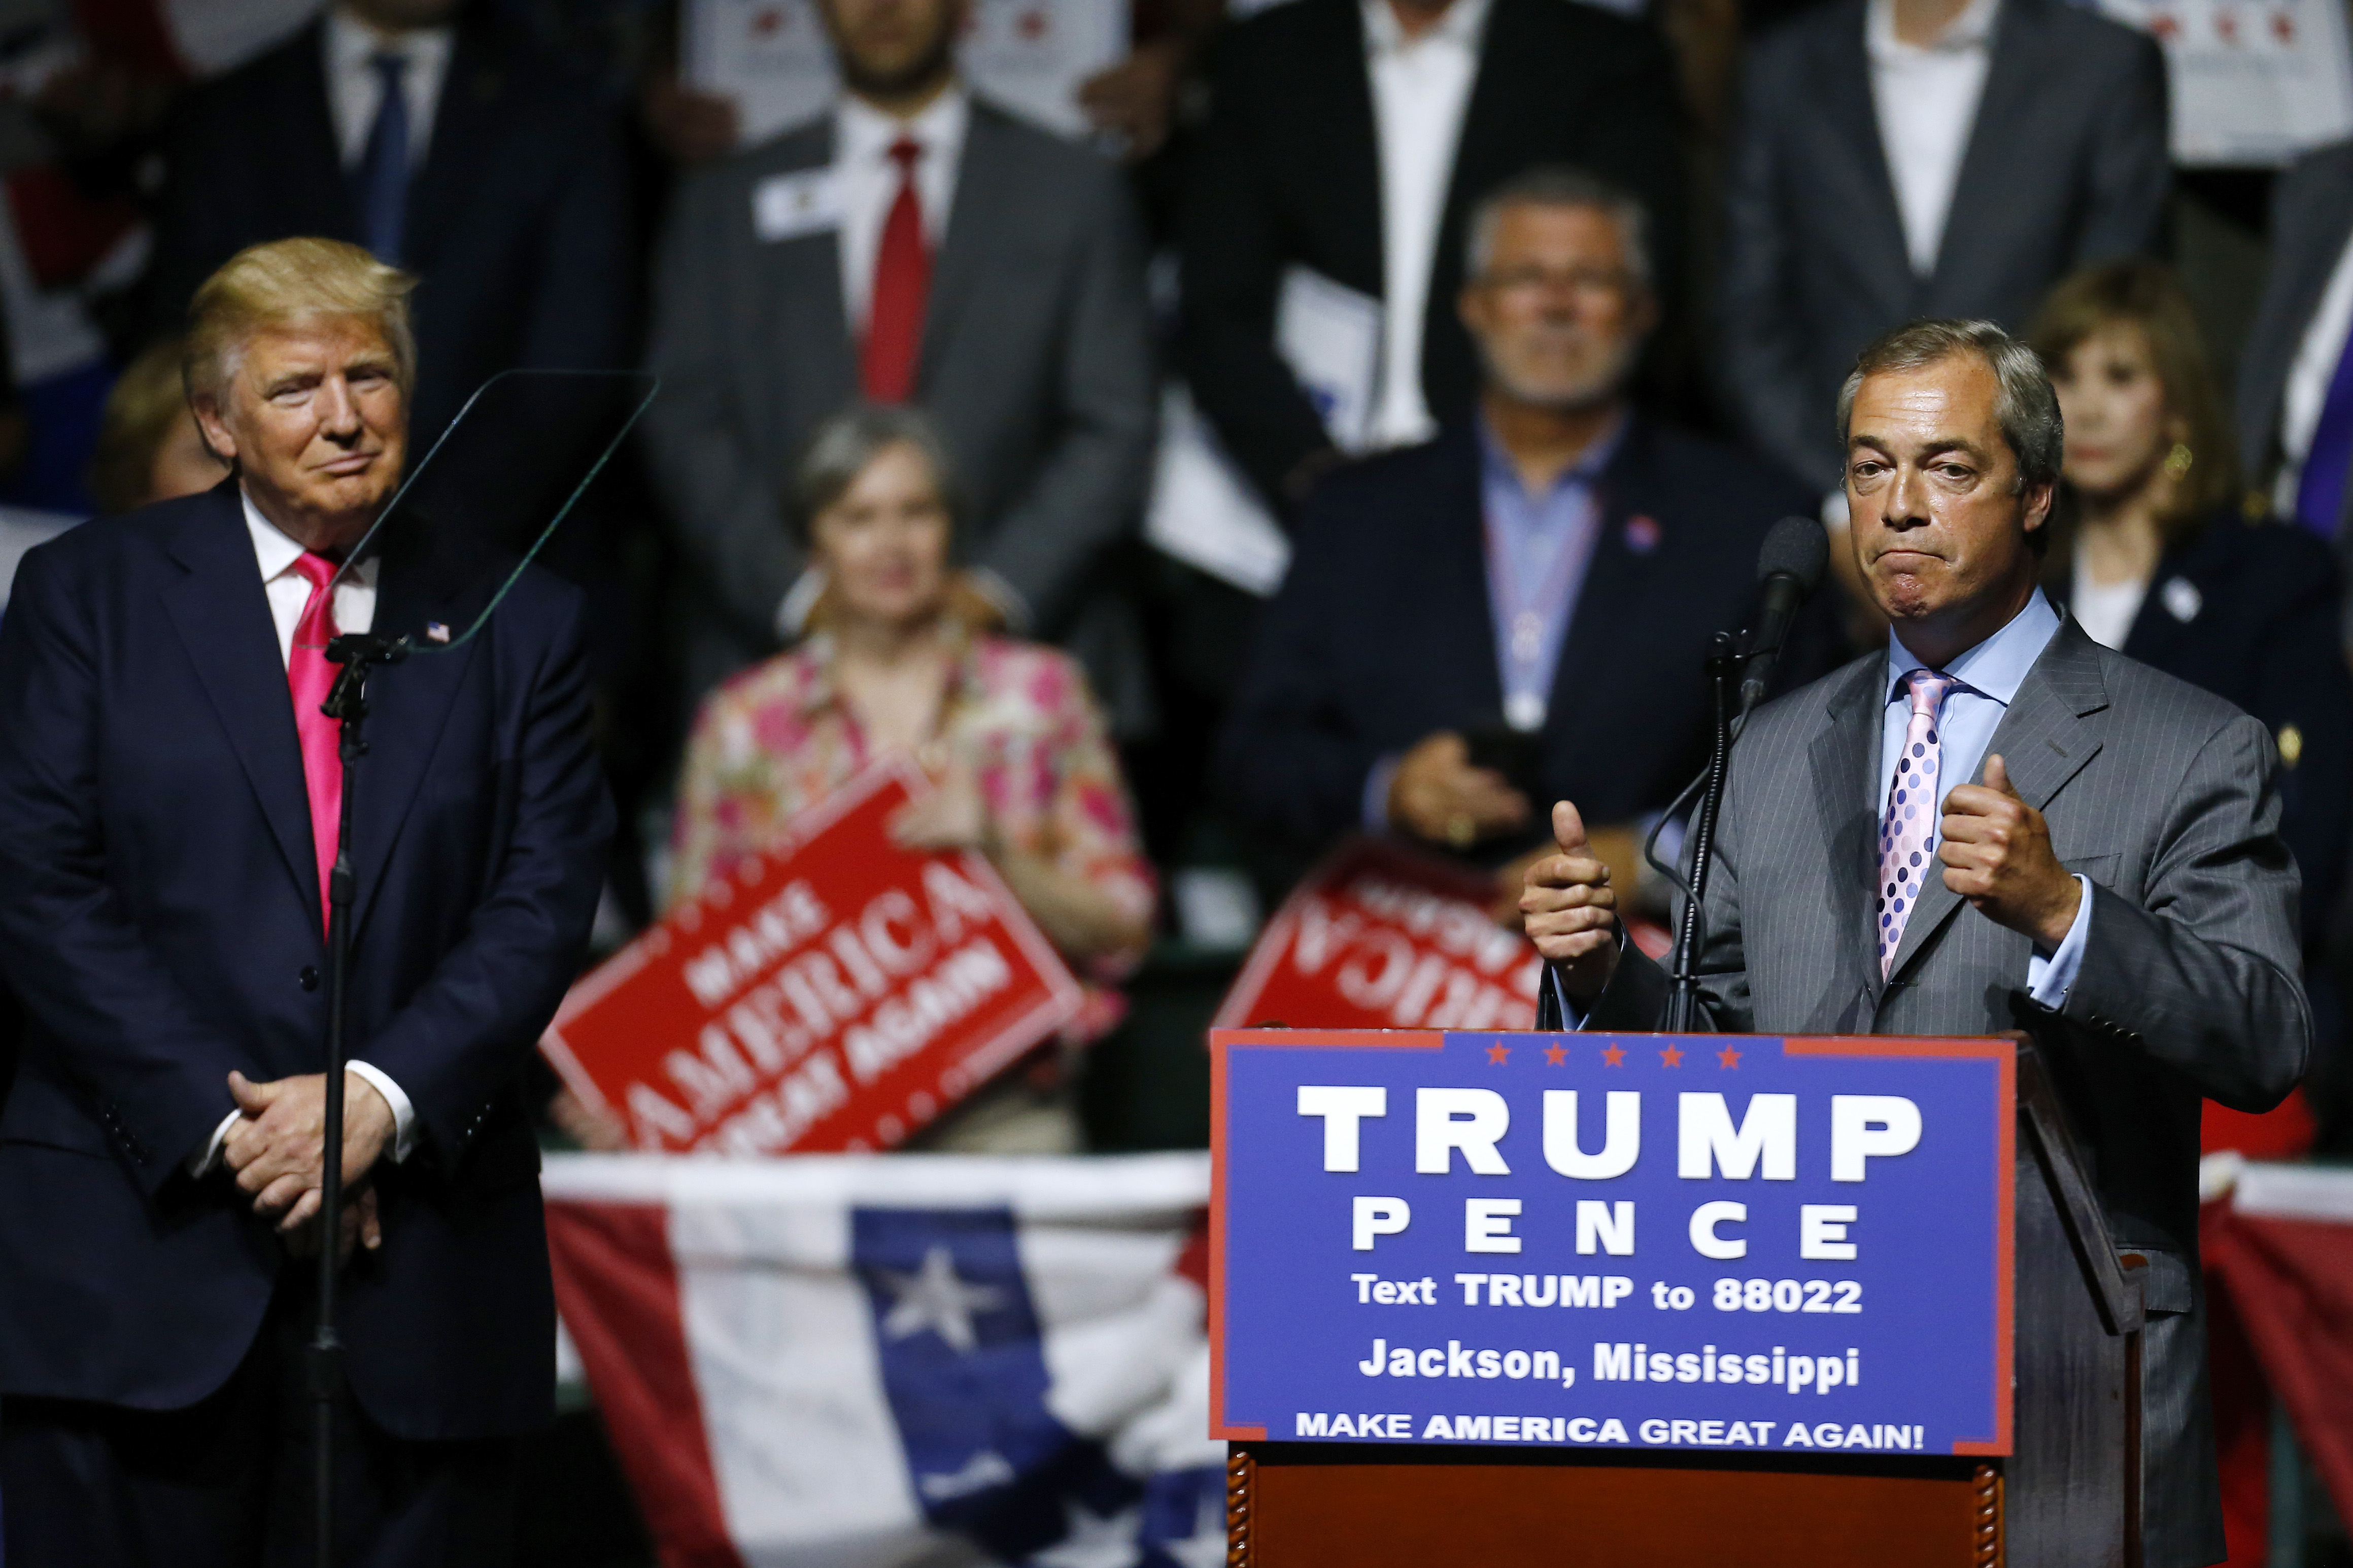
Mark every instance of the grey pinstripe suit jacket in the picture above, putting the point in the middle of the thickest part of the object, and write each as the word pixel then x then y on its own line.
pixel 2165 798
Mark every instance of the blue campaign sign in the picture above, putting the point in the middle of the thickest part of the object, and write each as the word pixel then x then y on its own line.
pixel 1643 1241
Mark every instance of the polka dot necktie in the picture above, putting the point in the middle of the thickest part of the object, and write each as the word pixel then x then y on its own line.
pixel 1907 836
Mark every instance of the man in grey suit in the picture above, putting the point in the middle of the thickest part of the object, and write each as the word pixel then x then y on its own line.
pixel 916 244
pixel 2118 851
pixel 1864 126
pixel 2295 419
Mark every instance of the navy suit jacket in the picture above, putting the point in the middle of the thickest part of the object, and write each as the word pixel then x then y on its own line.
pixel 160 922
pixel 519 221
pixel 2261 633
pixel 1382 633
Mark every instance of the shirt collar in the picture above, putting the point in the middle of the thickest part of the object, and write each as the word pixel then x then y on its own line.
pixel 1972 30
pixel 1462 25
pixel 1997 667
pixel 351 42
pixel 277 552
pixel 1498 465
pixel 822 690
pixel 273 549
pixel 864 133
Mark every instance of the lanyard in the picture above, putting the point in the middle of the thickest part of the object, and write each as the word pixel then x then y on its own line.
pixel 1526 618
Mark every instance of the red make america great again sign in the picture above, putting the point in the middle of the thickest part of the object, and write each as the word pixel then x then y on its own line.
pixel 836 995
pixel 1381 937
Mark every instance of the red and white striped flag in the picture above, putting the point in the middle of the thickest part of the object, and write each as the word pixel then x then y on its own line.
pixel 878 1360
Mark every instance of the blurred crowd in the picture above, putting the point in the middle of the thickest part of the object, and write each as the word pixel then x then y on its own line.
pixel 1505 329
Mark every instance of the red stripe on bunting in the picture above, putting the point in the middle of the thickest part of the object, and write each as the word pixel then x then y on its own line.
pixel 616 1285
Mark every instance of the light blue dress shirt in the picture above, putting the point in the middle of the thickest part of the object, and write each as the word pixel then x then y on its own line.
pixel 1987 677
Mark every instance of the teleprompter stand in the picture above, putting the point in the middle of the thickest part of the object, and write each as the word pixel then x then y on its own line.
pixel 347 701
pixel 2068 1497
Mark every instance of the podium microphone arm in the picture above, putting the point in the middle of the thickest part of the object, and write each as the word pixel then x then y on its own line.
pixel 1789 567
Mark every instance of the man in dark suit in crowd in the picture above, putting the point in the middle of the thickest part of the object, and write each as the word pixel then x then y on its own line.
pixel 2117 846
pixel 169 792
pixel 1864 126
pixel 2296 375
pixel 1519 609
pixel 916 244
pixel 1350 138
pixel 445 146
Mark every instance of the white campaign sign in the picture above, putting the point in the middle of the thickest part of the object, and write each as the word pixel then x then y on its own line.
pixel 2254 82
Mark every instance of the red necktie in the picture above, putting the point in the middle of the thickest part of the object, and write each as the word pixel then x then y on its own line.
pixel 310 677
pixel 902 278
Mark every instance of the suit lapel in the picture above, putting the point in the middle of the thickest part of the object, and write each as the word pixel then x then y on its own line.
pixel 409 706
pixel 2002 141
pixel 465 121
pixel 222 616
pixel 1844 81
pixel 983 198
pixel 1615 578
pixel 2043 743
pixel 1456 548
pixel 1845 763
pixel 314 174
pixel 800 292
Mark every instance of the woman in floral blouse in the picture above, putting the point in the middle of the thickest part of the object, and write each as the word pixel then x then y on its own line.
pixel 902 661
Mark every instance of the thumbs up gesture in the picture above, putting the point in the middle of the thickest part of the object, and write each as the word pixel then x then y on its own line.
pixel 1570 909
pixel 1997 854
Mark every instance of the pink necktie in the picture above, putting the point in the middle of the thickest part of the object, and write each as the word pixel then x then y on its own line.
pixel 310 677
pixel 1908 836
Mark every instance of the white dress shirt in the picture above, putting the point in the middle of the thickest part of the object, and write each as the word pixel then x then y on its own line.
pixel 2308 378
pixel 1422 89
pixel 354 91
pixel 2104 610
pixel 1987 677
pixel 868 181
pixel 1927 97
pixel 289 592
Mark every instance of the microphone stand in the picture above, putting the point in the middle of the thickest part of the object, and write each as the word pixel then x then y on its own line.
pixel 358 653
pixel 1683 978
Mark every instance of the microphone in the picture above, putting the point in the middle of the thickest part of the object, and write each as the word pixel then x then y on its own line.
pixel 1788 568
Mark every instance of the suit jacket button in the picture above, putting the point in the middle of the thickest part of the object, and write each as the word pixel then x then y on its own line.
pixel 308 977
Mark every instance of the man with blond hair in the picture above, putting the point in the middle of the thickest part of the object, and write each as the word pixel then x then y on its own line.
pixel 169 796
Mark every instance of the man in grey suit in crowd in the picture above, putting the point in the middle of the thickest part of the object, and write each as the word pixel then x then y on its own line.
pixel 2296 375
pixel 2118 851
pixel 1864 126
pixel 914 245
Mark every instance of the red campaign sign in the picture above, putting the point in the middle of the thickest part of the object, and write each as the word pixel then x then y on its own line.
pixel 1380 936
pixel 836 995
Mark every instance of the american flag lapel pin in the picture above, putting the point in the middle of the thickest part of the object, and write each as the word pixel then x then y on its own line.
pixel 435 632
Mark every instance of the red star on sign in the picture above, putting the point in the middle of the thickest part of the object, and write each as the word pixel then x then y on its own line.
pixel 1499 1053
pixel 1555 1055
pixel 1728 1056
pixel 1672 1056
pixel 1032 25
pixel 766 22
pixel 1614 1054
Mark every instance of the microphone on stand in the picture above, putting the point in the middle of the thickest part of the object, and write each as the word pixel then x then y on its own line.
pixel 1789 568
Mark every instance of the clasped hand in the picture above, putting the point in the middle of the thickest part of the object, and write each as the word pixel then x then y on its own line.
pixel 275 1152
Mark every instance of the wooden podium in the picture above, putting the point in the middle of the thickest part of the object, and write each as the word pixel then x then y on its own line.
pixel 2068 1497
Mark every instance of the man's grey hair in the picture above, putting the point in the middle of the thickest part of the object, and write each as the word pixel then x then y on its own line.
pixel 842 447
pixel 1560 185
pixel 2024 406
